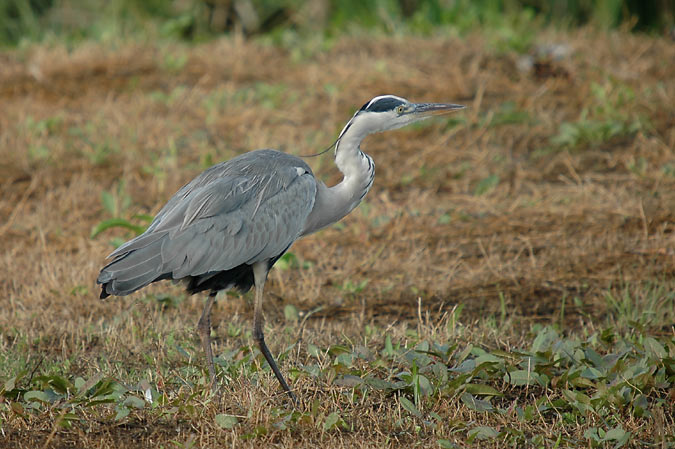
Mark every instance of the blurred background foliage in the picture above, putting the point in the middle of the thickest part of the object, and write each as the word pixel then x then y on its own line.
pixel 23 21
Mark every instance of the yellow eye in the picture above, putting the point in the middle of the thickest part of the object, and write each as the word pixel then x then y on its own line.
pixel 399 109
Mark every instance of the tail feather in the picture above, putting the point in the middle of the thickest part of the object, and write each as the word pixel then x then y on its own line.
pixel 133 264
pixel 144 261
pixel 124 287
pixel 138 272
pixel 142 241
pixel 132 271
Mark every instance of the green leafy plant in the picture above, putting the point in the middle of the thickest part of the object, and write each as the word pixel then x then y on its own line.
pixel 353 287
pixel 610 115
pixel 642 306
pixel 116 202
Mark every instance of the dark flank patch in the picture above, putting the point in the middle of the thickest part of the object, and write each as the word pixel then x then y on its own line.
pixel 382 105
pixel 240 277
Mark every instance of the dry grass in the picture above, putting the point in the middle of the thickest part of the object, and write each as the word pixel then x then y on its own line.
pixel 463 214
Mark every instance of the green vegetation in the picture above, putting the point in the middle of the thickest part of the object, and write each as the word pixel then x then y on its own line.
pixel 510 21
pixel 611 114
pixel 116 203
pixel 597 382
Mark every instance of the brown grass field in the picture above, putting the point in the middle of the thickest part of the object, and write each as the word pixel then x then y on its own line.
pixel 479 226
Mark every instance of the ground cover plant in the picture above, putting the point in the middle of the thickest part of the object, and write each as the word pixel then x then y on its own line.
pixel 507 282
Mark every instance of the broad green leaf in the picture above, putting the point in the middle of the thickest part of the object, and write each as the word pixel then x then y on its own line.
pixel 487 358
pixel 291 313
pixel 444 220
pixel 36 395
pixel 592 434
pixel 66 419
pixel 440 372
pixel 473 403
pixel 655 348
pixel 544 339
pixel 344 359
pixel 379 384
pixel 182 352
pixel 435 416
pixel 591 373
pixel 409 406
pixel 422 346
pixel 465 353
pixel 576 396
pixel 486 184
pixel 226 421
pixel 466 366
pixel 578 400
pixel 333 420
pixel 388 347
pixel 83 386
pixel 593 357
pixel 446 444
pixel 122 412
pixel 482 390
pixel 9 384
pixel 115 223
pixel 504 355
pixel 144 217
pixel 58 383
pixel 79 383
pixel 287 261
pixel 348 380
pixel 482 433
pixel 338 349
pixel 104 388
pixel 108 201
pixel 526 414
pixel 424 385
pixel 619 435
pixel 521 377
pixel 135 402
pixel 582 382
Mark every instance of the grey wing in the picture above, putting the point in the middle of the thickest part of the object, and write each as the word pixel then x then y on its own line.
pixel 212 238
pixel 249 209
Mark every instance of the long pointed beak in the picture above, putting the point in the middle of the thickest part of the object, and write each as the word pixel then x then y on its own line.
pixel 423 110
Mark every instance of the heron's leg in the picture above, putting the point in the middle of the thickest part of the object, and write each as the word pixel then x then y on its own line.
pixel 204 328
pixel 260 270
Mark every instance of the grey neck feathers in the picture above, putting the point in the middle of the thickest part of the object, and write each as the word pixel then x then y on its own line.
pixel 333 203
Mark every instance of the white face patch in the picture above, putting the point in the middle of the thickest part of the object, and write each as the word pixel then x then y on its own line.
pixel 301 171
pixel 367 121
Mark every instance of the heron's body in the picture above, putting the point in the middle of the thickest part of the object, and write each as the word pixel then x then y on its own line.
pixel 228 226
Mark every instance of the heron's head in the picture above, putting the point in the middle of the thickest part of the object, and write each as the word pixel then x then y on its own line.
pixel 388 112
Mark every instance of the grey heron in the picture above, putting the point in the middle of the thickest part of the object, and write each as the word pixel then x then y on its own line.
pixel 228 226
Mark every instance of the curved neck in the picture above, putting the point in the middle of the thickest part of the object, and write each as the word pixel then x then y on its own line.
pixel 333 203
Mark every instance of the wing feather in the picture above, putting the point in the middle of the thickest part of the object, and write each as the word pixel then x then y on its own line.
pixel 249 209
pixel 265 228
